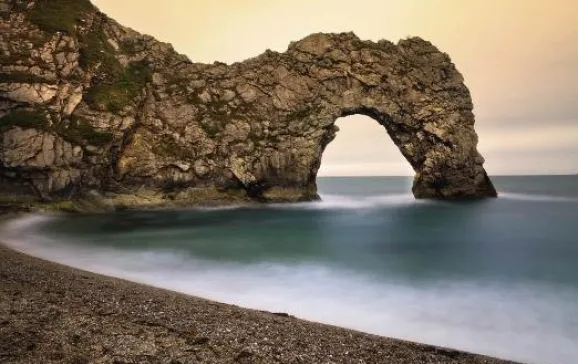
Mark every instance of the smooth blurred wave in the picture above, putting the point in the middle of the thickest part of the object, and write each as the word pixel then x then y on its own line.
pixel 543 198
pixel 352 202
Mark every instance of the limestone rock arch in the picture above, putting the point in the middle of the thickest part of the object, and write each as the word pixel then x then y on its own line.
pixel 411 89
pixel 99 109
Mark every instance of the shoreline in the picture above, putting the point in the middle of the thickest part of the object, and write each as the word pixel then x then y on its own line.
pixel 51 313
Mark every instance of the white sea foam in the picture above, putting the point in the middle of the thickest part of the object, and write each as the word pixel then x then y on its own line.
pixel 342 202
pixel 535 198
pixel 533 324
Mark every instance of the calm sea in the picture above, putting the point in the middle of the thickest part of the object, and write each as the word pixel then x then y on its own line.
pixel 497 277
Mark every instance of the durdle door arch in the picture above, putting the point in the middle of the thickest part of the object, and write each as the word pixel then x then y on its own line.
pixel 411 89
pixel 95 109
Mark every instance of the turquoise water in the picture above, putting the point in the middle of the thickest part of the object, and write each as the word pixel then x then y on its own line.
pixel 497 277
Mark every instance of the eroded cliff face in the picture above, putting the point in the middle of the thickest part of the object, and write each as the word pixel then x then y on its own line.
pixel 91 108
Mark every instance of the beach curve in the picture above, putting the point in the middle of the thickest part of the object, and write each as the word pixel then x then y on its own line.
pixel 53 313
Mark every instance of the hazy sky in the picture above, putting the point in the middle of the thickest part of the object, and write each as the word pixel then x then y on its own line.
pixel 519 59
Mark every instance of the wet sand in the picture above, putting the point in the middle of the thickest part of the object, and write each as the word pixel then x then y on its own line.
pixel 50 313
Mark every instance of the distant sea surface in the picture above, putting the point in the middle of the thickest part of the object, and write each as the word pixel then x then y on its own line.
pixel 496 277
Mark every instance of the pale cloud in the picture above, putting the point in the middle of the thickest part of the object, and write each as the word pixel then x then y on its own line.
pixel 544 148
pixel 366 169
pixel 540 138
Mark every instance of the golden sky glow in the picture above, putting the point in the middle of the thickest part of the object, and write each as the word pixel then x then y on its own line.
pixel 519 59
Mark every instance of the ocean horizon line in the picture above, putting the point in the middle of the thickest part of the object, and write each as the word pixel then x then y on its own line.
pixel 491 175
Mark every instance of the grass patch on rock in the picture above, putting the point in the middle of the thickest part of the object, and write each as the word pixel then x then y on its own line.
pixel 130 47
pixel 77 131
pixel 114 97
pixel 114 86
pixel 24 118
pixel 167 147
pixel 80 132
pixel 59 15
pixel 21 77
pixel 96 51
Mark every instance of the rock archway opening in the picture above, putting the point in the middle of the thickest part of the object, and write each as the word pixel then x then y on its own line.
pixel 362 159
pixel 363 148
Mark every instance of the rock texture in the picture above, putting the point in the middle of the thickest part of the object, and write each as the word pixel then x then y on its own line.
pixel 91 108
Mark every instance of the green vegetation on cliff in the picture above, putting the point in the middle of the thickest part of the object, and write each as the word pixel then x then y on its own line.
pixel 80 132
pixel 24 118
pixel 77 131
pixel 130 47
pixel 97 52
pixel 123 91
pixel 21 77
pixel 59 15
pixel 167 146
pixel 114 86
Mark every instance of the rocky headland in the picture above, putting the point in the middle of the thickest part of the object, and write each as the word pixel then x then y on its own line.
pixel 94 113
